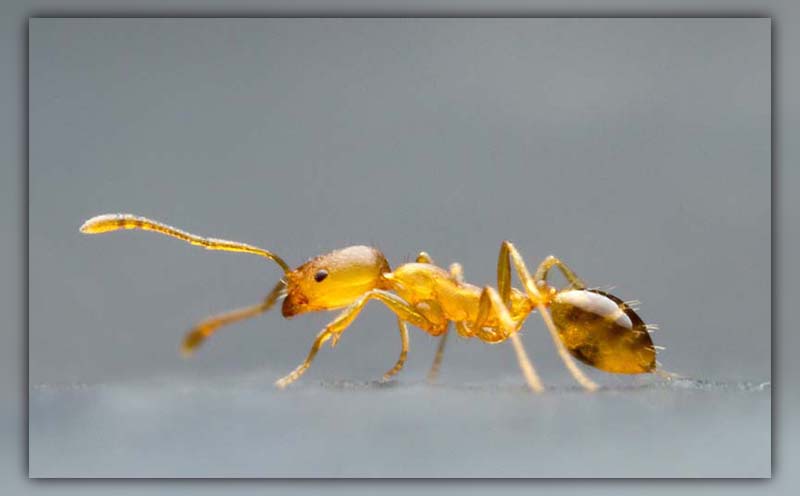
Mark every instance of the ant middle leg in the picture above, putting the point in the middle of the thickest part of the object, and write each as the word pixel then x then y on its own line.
pixel 337 326
pixel 508 254
pixel 398 366
pixel 202 331
pixel 433 373
pixel 457 275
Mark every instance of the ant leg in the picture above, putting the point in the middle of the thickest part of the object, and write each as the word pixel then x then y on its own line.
pixel 323 336
pixel 575 282
pixel 403 352
pixel 400 307
pixel 433 373
pixel 490 303
pixel 464 330
pixel 526 365
pixel 206 328
pixel 508 251
pixel 112 222
pixel 457 275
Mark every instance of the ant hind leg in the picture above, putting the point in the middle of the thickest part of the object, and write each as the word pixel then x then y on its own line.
pixel 508 254
pixel 490 303
pixel 526 365
pixel 575 282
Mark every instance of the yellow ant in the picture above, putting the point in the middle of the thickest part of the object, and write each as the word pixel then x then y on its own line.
pixel 593 326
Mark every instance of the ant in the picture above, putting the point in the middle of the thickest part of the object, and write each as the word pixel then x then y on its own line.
pixel 593 326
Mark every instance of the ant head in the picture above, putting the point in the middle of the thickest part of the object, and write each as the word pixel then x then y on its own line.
pixel 333 280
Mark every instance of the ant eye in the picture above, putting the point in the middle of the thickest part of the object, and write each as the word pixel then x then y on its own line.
pixel 321 275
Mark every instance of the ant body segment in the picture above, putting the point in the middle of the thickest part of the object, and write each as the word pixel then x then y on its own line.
pixel 590 325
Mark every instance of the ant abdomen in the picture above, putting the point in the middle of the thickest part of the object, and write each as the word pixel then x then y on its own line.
pixel 601 330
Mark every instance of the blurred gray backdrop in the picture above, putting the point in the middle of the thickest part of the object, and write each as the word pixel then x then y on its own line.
pixel 636 150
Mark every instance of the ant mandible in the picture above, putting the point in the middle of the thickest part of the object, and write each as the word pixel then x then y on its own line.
pixel 593 326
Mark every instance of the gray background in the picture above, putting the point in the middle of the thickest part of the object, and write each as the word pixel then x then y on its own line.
pixel 637 150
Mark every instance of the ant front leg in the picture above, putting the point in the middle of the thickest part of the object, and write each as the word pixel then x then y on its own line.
pixel 400 307
pixel 508 254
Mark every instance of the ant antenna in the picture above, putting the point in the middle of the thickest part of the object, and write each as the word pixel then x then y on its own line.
pixel 112 222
